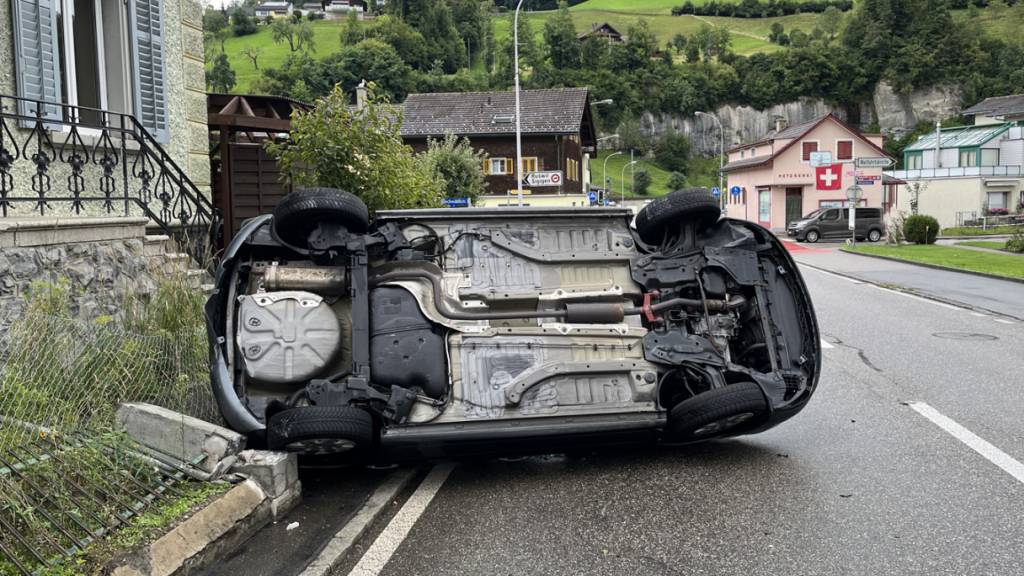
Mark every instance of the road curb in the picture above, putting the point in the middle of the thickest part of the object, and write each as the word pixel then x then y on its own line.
pixel 934 266
pixel 911 292
pixel 375 506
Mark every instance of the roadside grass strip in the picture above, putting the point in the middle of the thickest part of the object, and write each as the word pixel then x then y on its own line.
pixel 951 257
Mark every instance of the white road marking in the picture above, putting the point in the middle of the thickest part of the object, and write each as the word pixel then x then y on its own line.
pixel 834 275
pixel 380 552
pixel 914 297
pixel 1004 321
pixel 975 442
pixel 825 345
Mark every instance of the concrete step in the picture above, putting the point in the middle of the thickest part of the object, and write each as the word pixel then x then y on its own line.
pixel 155 244
pixel 172 261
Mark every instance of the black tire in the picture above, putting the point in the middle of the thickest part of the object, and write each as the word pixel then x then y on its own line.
pixel 812 236
pixel 722 411
pixel 321 430
pixel 694 205
pixel 874 235
pixel 299 213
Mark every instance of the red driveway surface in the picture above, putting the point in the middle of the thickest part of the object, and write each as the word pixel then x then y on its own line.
pixel 795 247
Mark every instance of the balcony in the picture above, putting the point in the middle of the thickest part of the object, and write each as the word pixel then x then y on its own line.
pixel 958 172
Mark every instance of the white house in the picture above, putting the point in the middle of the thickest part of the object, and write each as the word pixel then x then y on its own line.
pixel 966 172
pixel 274 9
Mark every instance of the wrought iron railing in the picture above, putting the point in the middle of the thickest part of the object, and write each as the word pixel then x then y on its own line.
pixel 90 161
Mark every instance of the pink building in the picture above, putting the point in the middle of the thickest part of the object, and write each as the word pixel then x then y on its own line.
pixel 778 184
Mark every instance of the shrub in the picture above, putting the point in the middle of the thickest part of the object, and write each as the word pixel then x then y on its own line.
pixel 672 151
pixel 677 181
pixel 921 229
pixel 1016 242
pixel 641 181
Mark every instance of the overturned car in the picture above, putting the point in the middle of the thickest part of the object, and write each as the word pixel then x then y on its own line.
pixel 444 331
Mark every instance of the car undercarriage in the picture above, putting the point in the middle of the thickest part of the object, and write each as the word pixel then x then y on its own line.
pixel 439 330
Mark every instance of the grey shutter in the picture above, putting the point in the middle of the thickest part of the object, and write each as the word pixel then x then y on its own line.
pixel 150 67
pixel 37 56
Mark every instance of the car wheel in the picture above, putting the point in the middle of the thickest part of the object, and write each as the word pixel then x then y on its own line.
pixel 875 235
pixel 717 412
pixel 321 430
pixel 693 205
pixel 299 213
pixel 812 236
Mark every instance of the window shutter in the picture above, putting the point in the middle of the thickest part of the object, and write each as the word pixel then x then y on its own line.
pixel 37 56
pixel 150 68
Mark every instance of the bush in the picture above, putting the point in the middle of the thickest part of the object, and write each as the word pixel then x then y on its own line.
pixel 453 162
pixel 641 181
pixel 921 229
pixel 242 24
pixel 1016 242
pixel 677 181
pixel 672 151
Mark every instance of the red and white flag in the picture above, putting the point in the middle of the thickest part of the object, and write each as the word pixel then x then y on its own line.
pixel 829 177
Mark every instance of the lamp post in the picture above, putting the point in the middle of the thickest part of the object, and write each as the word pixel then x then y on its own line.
pixel 604 169
pixel 721 155
pixel 519 131
pixel 605 101
pixel 622 178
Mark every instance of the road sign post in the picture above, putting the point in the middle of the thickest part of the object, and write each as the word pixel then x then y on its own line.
pixel 543 179
pixel 853 195
pixel 873 162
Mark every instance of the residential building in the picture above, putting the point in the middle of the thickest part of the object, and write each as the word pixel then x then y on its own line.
pixel 963 173
pixel 777 183
pixel 274 9
pixel 604 31
pixel 558 134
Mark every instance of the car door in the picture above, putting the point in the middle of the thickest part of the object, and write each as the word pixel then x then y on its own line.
pixel 829 222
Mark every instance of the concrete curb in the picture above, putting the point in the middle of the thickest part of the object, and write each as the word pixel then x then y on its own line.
pixel 376 506
pixel 934 266
pixel 898 288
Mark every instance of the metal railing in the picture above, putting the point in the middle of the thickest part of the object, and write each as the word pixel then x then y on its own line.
pixel 105 159
pixel 956 172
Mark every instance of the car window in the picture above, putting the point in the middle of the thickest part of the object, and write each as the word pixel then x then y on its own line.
pixel 832 214
pixel 814 214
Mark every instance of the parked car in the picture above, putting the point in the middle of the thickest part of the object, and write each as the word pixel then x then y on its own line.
pixel 835 223
pixel 440 331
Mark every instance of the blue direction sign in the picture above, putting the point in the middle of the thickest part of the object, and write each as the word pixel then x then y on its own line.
pixel 456 202
pixel 716 192
pixel 592 196
pixel 735 190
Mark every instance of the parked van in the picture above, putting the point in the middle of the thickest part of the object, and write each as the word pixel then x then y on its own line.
pixel 834 223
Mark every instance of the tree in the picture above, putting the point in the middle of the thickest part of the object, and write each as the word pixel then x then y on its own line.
pixel 453 162
pixel 296 16
pixel 304 37
pixel 676 181
pixel 678 43
pixel 253 53
pixel 777 31
pixel 357 150
pixel 672 151
pixel 241 23
pixel 562 40
pixel 830 21
pixel 642 181
pixel 352 33
pixel 283 30
pixel 406 40
pixel 214 20
pixel 220 78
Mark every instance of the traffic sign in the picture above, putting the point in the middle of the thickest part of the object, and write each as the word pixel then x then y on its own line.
pixel 823 158
pixel 874 162
pixel 716 192
pixel 592 196
pixel 538 179
pixel 735 190
pixel 456 202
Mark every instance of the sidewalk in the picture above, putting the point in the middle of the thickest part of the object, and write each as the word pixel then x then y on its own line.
pixel 999 296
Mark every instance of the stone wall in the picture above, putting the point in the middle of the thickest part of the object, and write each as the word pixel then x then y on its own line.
pixel 896 114
pixel 104 260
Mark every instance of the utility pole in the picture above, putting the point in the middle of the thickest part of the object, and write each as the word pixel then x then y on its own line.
pixel 519 128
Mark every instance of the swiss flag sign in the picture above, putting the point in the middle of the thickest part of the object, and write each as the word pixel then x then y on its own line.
pixel 829 177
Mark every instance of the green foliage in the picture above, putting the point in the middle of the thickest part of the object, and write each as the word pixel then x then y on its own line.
pixel 214 20
pixel 241 23
pixel 358 150
pixel 298 35
pixel 220 78
pixel 1016 242
pixel 561 39
pixel 672 151
pixel 920 229
pixel 642 182
pixel 353 32
pixel 677 181
pixel 633 137
pixel 453 162
pixel 979 231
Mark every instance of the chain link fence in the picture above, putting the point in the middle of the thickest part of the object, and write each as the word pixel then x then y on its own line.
pixel 67 476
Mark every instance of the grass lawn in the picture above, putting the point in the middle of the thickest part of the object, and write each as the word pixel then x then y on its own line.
pixel 700 172
pixel 326 40
pixel 974 231
pixel 992 245
pixel 1006 265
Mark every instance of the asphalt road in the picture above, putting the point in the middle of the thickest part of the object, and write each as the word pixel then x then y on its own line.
pixel 861 482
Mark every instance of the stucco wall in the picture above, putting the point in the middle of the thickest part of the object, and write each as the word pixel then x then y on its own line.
pixel 944 198
pixel 186 102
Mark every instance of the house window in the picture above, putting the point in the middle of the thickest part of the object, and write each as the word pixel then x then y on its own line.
pixel 572 170
pixel 530 164
pixel 94 43
pixel 990 157
pixel 741 154
pixel 844 149
pixel 968 158
pixel 914 160
pixel 500 166
pixel 807 148
pixel 764 205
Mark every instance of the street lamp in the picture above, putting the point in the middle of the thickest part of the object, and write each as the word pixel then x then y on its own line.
pixel 721 154
pixel 605 101
pixel 604 169
pixel 622 178
pixel 519 130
